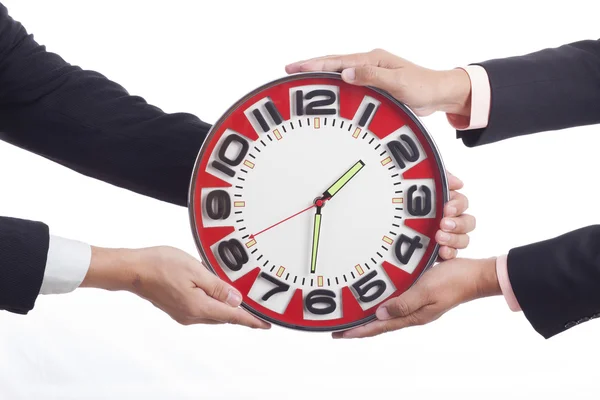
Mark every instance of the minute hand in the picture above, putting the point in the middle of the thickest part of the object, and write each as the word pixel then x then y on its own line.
pixel 315 243
pixel 333 189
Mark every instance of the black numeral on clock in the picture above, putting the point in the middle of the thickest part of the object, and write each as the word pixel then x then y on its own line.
pixel 421 205
pixel 366 115
pixel 413 243
pixel 365 285
pixel 315 107
pixel 404 150
pixel 218 204
pixel 279 286
pixel 233 254
pixel 273 112
pixel 223 163
pixel 320 302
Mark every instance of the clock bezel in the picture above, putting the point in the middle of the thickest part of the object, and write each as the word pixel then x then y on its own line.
pixel 290 78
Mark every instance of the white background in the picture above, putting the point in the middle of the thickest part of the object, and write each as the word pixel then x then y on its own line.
pixel 200 57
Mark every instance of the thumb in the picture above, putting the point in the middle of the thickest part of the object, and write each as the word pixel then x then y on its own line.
pixel 369 75
pixel 219 290
pixel 404 305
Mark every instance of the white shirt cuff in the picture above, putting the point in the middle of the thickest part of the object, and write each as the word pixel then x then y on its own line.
pixel 66 266
pixel 481 96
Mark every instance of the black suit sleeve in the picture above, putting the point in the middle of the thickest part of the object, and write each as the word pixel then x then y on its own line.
pixel 90 124
pixel 557 281
pixel 547 90
pixel 86 122
pixel 23 252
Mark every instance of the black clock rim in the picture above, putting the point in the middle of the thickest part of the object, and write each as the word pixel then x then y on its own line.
pixel 223 118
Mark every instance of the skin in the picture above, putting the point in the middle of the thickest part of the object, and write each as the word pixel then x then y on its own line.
pixel 173 281
pixel 425 91
pixel 186 290
pixel 440 289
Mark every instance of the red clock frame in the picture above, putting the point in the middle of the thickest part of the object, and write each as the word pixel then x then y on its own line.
pixel 390 116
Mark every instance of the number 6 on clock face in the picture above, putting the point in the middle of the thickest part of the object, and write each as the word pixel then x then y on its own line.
pixel 317 200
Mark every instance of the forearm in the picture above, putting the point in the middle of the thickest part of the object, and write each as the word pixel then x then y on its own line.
pixel 547 90
pixel 112 269
pixel 90 124
pixel 487 278
pixel 454 92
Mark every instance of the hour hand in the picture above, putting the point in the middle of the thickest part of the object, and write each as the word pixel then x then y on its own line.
pixel 339 184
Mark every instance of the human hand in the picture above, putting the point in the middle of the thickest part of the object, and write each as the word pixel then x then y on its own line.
pixel 173 281
pixel 455 226
pixel 423 90
pixel 440 289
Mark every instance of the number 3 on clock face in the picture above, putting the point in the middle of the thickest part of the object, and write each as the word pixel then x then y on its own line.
pixel 317 200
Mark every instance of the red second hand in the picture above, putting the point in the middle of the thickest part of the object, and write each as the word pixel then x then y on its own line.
pixel 319 203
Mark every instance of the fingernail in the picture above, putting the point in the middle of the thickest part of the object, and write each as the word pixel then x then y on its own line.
pixel 382 313
pixel 349 74
pixel 294 65
pixel 337 335
pixel 443 236
pixel 451 211
pixel 449 224
pixel 234 299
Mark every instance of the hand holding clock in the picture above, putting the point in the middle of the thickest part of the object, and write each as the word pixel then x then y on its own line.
pixel 171 280
pixel 440 289
pixel 423 90
pixel 455 227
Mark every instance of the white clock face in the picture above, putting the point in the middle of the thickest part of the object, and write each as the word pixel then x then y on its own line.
pixel 310 203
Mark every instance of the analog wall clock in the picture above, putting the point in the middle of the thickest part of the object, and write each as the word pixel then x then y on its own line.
pixel 318 200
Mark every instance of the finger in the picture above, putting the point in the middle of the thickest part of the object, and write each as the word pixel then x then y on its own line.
pixel 463 224
pixel 379 327
pixel 447 253
pixel 218 311
pixel 335 63
pixel 457 205
pixel 404 305
pixel 453 182
pixel 452 240
pixel 295 66
pixel 217 289
pixel 369 75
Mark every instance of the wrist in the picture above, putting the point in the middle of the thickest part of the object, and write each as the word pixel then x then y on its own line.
pixel 112 269
pixel 487 278
pixel 454 92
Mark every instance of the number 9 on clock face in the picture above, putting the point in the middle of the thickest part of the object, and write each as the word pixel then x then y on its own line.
pixel 318 200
